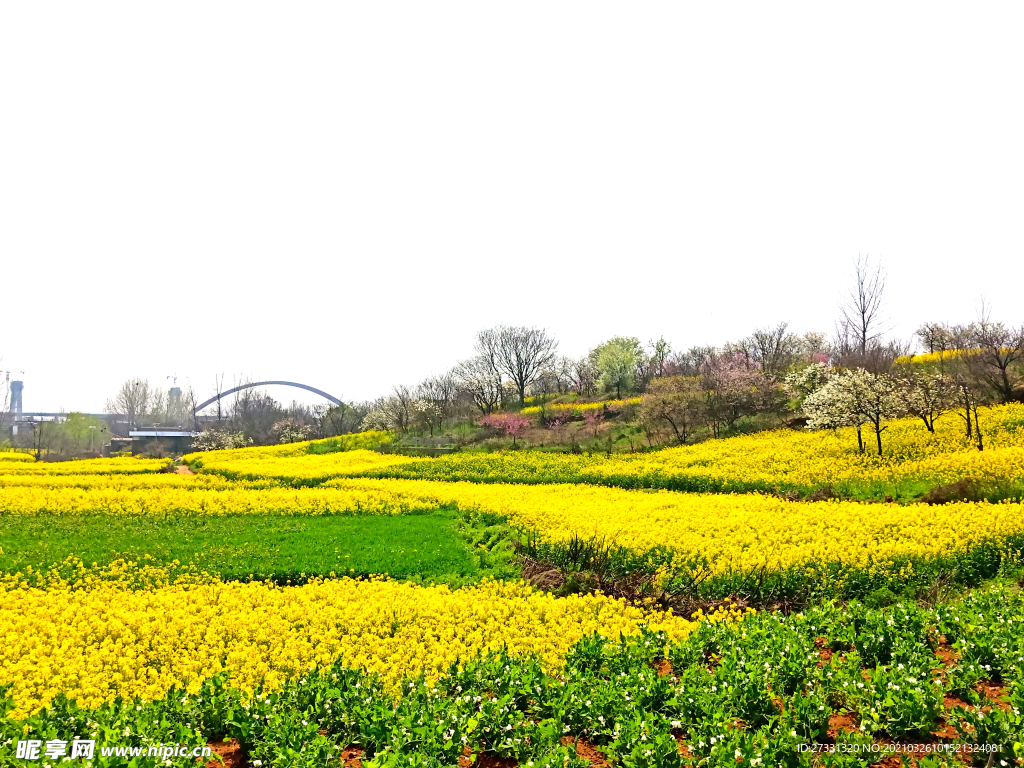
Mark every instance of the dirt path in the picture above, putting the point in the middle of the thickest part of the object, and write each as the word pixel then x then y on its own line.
pixel 183 469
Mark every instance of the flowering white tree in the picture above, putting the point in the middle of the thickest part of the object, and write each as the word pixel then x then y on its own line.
pixel 854 398
pixel 808 380
pixel 390 413
pixel 831 406
pixel 289 432
pixel 216 440
pixel 428 413
pixel 377 420
pixel 927 395
pixel 876 399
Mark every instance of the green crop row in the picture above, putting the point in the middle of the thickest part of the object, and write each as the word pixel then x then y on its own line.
pixel 759 691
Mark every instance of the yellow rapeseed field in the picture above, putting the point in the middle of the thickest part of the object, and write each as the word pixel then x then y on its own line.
pixel 16 456
pixel 250 463
pixel 936 357
pixel 599 405
pixel 119 465
pixel 102 641
pixel 192 498
pixel 352 442
pixel 763 460
pixel 738 531
pixel 125 481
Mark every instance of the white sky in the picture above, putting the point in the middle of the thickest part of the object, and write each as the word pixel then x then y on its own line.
pixel 342 193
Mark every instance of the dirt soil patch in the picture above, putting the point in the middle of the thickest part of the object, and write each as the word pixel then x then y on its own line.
pixel 587 751
pixel 841 722
pixel 230 752
pixel 351 756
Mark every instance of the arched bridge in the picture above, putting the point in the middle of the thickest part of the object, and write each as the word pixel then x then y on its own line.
pixel 226 392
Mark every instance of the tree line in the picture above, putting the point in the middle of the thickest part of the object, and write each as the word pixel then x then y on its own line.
pixel 853 376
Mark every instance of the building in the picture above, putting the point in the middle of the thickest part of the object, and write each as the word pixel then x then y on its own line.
pixel 171 442
pixel 16 390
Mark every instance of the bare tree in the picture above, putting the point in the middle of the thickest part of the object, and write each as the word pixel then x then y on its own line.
pixel 675 400
pixel 399 407
pixel 547 382
pixel 862 310
pixel 486 348
pixel 774 349
pixel 440 391
pixel 218 387
pixel 336 415
pixel 478 380
pixel 519 352
pixel 189 401
pixel 563 369
pixel 357 411
pixel 158 402
pixel 733 386
pixel 877 358
pixel 936 337
pixel 254 413
pixel 689 363
pixel 994 350
pixel 956 366
pixel 132 400
pixel 6 403
pixel 584 376
pixel 654 365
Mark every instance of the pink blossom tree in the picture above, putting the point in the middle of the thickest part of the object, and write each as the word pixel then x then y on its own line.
pixel 512 424
pixel 557 424
pixel 733 385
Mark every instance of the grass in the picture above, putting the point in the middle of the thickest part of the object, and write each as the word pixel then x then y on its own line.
pixel 440 547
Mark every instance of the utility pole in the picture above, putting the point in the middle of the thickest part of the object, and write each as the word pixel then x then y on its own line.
pixel 39 439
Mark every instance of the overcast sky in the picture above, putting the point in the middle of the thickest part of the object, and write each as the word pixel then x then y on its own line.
pixel 342 193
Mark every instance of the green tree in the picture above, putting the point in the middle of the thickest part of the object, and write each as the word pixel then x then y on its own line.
pixel 617 361
pixel 75 435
